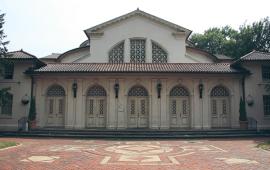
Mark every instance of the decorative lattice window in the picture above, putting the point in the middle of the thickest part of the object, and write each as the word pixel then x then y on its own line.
pixel 137 91
pixel 219 91
pixel 158 54
pixel 96 91
pixel 91 106
pixel 143 107
pixel 179 91
pixel 61 106
pixel 173 107
pixel 137 51
pixel 6 108
pixel 101 107
pixel 214 107
pixel 116 55
pixel 56 90
pixel 266 105
pixel 184 104
pixel 132 107
pixel 224 107
pixel 51 103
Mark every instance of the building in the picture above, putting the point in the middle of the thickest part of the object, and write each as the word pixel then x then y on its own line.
pixel 136 71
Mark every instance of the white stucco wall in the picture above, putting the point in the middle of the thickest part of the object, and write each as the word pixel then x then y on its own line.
pixel 20 85
pixel 254 87
pixel 137 27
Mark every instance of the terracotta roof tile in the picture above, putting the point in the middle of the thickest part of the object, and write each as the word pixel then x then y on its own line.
pixel 20 55
pixel 255 56
pixel 145 67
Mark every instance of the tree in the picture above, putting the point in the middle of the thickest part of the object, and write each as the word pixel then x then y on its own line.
pixel 3 51
pixel 235 43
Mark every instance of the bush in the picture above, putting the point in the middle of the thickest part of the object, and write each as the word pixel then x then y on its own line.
pixel 32 112
pixel 242 110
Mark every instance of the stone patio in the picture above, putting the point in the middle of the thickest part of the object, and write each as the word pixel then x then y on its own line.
pixel 48 153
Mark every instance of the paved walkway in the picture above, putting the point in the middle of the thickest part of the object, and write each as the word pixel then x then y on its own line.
pixel 48 153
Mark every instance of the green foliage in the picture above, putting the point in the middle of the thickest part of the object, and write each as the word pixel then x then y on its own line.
pixel 242 110
pixel 264 145
pixel 7 144
pixel 32 112
pixel 235 43
pixel 3 49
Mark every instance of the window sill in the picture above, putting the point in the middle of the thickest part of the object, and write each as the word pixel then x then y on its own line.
pixel 266 117
pixel 5 117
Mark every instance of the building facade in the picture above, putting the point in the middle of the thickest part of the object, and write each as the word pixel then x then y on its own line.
pixel 137 71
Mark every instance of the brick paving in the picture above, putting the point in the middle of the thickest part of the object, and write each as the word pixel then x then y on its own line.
pixel 51 153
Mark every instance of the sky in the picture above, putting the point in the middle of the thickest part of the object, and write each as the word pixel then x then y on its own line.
pixel 42 27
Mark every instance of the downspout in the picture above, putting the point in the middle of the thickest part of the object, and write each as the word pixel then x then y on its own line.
pixel 243 88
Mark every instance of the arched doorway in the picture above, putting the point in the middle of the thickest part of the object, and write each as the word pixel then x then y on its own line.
pixel 179 108
pixel 55 99
pixel 138 107
pixel 220 107
pixel 96 107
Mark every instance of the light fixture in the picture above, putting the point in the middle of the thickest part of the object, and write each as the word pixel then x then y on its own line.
pixel 250 100
pixel 74 88
pixel 159 87
pixel 116 88
pixel 25 99
pixel 201 89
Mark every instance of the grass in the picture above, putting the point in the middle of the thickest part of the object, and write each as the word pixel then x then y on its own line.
pixel 264 145
pixel 7 144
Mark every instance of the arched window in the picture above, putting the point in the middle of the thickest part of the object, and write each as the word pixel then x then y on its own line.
pixel 96 91
pixel 6 108
pixel 159 55
pixel 116 55
pixel 179 91
pixel 219 91
pixel 137 50
pixel 56 90
pixel 138 91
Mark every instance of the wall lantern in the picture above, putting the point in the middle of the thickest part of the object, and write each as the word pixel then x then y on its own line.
pixel 74 88
pixel 200 89
pixel 159 87
pixel 116 88
pixel 250 100
pixel 25 99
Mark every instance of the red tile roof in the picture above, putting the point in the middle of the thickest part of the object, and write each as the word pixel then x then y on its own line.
pixel 255 56
pixel 132 67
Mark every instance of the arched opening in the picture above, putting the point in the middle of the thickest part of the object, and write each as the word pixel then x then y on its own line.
pixel 159 55
pixel 55 99
pixel 138 107
pixel 220 107
pixel 96 107
pixel 179 107
pixel 116 54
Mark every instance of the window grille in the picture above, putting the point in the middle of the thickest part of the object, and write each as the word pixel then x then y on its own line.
pixel 96 91
pixel 116 55
pixel 184 107
pixel 137 91
pixel 266 105
pixel 158 54
pixel 132 107
pixel 56 90
pixel 91 107
pixel 179 91
pixel 101 107
pixel 143 109
pixel 173 107
pixel 224 107
pixel 61 106
pixel 137 51
pixel 6 108
pixel 219 91
pixel 51 101
pixel 214 107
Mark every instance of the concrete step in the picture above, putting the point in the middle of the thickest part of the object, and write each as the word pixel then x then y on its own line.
pixel 136 133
